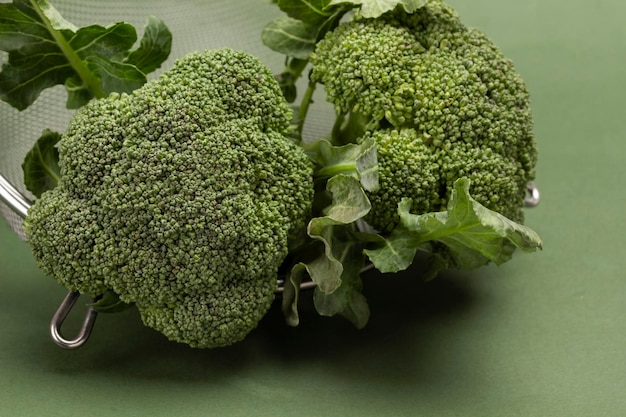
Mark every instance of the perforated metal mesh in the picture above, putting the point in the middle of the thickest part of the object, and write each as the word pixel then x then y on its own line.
pixel 195 24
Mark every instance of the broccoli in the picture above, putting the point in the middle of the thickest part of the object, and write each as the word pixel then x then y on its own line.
pixel 441 102
pixel 180 197
pixel 190 195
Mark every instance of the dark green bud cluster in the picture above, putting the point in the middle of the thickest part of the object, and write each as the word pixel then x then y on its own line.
pixel 180 197
pixel 456 104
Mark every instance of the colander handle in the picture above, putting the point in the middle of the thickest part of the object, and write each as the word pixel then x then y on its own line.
pixel 59 317
pixel 533 197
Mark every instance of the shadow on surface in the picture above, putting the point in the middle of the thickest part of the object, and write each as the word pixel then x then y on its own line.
pixel 410 320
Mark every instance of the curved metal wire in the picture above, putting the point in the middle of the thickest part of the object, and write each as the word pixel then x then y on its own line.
pixel 59 318
pixel 13 198
pixel 533 195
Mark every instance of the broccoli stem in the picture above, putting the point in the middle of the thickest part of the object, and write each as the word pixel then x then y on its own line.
pixel 303 110
pixel 75 61
pixel 290 75
pixel 348 130
pixel 332 170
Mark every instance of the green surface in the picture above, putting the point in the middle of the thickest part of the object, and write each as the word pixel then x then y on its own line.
pixel 543 335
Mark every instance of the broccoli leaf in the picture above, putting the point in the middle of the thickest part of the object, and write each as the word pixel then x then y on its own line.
pixel 349 204
pixel 309 11
pixel 154 47
pixel 306 23
pixel 473 235
pixel 347 300
pixel 376 8
pixel 290 37
pixel 41 164
pixel 45 50
pixel 392 253
pixel 335 260
pixel 291 294
pixel 357 160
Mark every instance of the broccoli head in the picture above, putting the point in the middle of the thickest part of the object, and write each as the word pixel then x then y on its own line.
pixel 180 197
pixel 442 103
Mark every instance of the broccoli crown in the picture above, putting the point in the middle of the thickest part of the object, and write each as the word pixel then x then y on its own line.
pixel 180 197
pixel 442 103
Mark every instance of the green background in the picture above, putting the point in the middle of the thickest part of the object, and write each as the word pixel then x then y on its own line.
pixel 543 335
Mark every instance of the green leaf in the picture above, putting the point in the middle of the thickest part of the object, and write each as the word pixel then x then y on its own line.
pixel 356 308
pixel 77 93
pixel 41 164
pixel 115 76
pixel 309 11
pixel 109 302
pixel 357 160
pixel 349 204
pixel 52 15
pixel 290 37
pixel 347 300
pixel 376 8
pixel 45 50
pixel 471 231
pixel 472 234
pixel 291 294
pixel 154 48
pixel 393 253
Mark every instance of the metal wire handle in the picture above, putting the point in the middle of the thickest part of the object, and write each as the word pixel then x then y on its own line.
pixel 20 205
pixel 61 314
pixel 533 195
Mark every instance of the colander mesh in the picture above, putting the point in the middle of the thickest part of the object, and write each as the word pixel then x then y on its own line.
pixel 195 24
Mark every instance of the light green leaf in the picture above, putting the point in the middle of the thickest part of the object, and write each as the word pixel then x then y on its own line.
pixel 393 253
pixel 349 204
pixel 154 47
pixel 290 37
pixel 367 165
pixel 472 232
pixel 41 164
pixel 357 160
pixel 473 235
pixel 308 11
pixel 376 8
pixel 347 300
pixel 52 15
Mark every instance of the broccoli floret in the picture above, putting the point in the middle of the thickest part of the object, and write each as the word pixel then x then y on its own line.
pixel 442 103
pixel 180 197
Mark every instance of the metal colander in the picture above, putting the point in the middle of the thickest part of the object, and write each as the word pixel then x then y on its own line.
pixel 195 24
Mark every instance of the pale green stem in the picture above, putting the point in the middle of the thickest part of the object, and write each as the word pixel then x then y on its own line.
pixel 72 57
